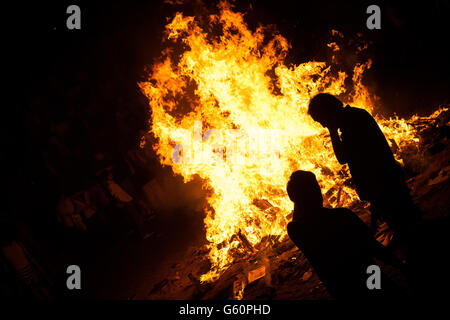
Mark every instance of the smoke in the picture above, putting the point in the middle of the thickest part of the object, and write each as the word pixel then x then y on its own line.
pixel 169 194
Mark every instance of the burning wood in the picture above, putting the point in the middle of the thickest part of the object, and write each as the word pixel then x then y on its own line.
pixel 256 274
pixel 245 242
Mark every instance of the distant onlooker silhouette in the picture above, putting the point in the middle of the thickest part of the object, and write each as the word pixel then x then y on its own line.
pixel 376 174
pixel 338 244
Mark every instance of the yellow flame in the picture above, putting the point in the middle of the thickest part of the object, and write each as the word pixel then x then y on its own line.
pixel 235 81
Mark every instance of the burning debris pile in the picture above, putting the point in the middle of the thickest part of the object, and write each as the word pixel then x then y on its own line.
pixel 260 276
pixel 226 107
pixel 431 184
pixel 277 269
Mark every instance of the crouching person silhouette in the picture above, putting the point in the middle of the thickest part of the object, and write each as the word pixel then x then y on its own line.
pixel 377 176
pixel 338 245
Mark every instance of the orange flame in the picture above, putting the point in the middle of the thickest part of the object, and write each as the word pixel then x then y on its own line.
pixel 228 108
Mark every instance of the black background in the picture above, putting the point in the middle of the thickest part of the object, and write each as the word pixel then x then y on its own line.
pixel 410 52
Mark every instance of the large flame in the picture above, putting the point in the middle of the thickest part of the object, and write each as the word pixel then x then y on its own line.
pixel 226 107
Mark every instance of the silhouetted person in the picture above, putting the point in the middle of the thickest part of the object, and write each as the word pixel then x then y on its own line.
pixel 429 251
pixel 376 174
pixel 338 245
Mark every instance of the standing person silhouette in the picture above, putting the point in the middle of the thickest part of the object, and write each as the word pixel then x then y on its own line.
pixel 376 174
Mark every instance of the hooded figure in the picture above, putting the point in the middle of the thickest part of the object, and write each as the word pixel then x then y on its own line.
pixel 338 245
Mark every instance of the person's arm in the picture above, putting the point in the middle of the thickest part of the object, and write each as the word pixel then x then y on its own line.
pixel 338 146
pixel 379 251
pixel 385 255
pixel 363 233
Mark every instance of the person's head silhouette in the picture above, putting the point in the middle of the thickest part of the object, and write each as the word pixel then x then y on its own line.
pixel 325 109
pixel 304 190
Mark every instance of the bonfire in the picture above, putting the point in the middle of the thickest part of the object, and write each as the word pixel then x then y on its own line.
pixel 225 106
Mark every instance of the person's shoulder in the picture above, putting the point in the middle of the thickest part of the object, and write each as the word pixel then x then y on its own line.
pixel 359 117
pixel 339 211
pixel 358 111
pixel 342 214
pixel 352 219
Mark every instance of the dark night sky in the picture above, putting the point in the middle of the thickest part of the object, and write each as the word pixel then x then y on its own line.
pixel 410 52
